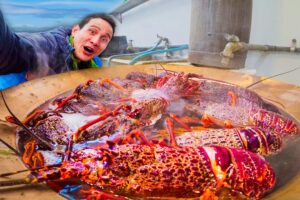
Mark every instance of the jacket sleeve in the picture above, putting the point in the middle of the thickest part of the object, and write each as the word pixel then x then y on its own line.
pixel 12 58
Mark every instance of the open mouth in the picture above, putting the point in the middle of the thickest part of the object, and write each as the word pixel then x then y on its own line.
pixel 88 50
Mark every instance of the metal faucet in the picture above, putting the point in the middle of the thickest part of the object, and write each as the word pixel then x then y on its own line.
pixel 233 45
pixel 163 39
pixel 166 44
pixel 130 46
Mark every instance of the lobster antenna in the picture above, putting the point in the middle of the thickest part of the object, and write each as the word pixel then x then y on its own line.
pixel 157 68
pixel 13 173
pixel 10 147
pixel 25 170
pixel 36 137
pixel 257 82
pixel 15 182
pixel 279 103
pixel 166 70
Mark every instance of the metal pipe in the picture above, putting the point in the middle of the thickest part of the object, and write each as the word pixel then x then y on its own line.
pixel 181 47
pixel 161 39
pixel 130 54
pixel 235 45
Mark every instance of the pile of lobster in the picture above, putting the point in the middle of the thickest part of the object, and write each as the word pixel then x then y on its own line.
pixel 174 135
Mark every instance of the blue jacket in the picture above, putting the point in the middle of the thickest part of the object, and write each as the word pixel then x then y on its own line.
pixel 40 54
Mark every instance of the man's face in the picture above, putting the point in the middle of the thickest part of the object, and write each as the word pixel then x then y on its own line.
pixel 91 39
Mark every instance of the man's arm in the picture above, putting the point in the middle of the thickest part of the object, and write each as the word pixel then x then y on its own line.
pixel 11 59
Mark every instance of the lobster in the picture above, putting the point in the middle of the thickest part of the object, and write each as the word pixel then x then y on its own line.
pixel 224 107
pixel 228 116
pixel 94 97
pixel 250 138
pixel 179 85
pixel 136 170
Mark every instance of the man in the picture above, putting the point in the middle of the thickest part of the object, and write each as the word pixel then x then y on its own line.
pixel 55 51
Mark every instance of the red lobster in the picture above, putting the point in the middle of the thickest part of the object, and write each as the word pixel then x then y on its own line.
pixel 266 120
pixel 250 138
pixel 144 171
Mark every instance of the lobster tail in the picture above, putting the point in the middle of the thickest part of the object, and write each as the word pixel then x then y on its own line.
pixel 241 170
pixel 258 141
pixel 271 121
pixel 252 139
pixel 257 175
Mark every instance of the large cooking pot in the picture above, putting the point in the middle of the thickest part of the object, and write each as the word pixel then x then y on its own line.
pixel 25 97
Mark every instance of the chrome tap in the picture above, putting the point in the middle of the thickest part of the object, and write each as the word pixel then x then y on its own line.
pixel 234 44
pixel 162 39
pixel 130 46
pixel 166 44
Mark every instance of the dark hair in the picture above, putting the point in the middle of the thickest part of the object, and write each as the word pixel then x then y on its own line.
pixel 103 16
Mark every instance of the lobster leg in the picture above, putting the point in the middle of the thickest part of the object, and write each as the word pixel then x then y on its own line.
pixel 170 130
pixel 60 105
pixel 102 109
pixel 102 117
pixel 29 152
pixel 129 138
pixel 31 157
pixel 72 96
pixel 170 127
pixel 38 160
pixel 233 97
pixel 180 122
pixel 162 81
pixel 107 80
pixel 12 120
pixel 208 120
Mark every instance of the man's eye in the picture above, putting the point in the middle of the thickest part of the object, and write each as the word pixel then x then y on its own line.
pixel 93 32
